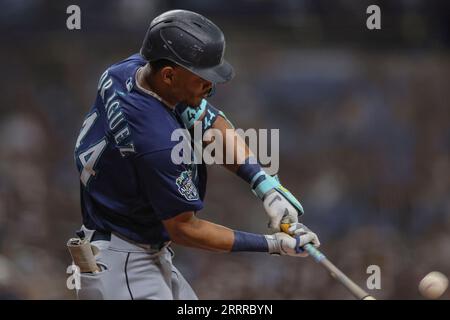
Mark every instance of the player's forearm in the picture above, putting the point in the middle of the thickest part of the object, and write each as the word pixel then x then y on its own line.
pixel 203 234
pixel 187 230
pixel 234 147
pixel 243 163
pixel 246 166
pixel 235 150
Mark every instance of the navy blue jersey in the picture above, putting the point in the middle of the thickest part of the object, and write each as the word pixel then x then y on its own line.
pixel 129 183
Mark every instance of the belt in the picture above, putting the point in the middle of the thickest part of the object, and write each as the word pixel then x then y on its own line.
pixel 106 236
pixel 100 235
pixel 147 246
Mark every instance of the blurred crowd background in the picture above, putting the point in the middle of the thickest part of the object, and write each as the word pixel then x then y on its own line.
pixel 364 121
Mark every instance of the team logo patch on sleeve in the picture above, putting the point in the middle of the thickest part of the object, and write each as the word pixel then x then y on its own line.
pixel 186 186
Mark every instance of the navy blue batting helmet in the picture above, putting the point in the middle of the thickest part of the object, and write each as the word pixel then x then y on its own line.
pixel 191 41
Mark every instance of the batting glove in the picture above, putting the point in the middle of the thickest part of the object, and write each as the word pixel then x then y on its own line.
pixel 279 209
pixel 283 244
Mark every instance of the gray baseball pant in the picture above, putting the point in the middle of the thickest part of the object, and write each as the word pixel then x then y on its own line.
pixel 131 271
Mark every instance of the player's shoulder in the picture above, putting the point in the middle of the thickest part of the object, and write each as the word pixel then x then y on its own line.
pixel 151 124
pixel 123 68
pixel 118 77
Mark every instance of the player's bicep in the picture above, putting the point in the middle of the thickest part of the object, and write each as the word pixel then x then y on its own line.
pixel 169 188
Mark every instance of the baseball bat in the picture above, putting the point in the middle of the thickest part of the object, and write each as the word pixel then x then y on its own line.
pixel 337 274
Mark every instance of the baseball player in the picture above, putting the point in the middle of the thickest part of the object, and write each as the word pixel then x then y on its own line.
pixel 135 200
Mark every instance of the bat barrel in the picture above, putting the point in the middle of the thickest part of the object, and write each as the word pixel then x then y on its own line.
pixel 332 269
pixel 337 274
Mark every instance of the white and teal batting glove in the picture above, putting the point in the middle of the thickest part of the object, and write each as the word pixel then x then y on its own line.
pixel 279 203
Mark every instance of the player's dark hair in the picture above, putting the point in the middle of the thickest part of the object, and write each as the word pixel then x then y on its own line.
pixel 161 63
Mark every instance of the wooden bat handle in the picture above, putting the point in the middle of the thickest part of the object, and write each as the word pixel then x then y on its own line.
pixel 285 228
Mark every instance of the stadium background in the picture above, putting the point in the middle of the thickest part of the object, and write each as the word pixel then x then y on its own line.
pixel 364 138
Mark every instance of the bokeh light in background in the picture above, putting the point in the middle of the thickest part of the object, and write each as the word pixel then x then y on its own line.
pixel 364 121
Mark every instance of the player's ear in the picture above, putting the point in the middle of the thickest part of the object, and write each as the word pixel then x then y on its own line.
pixel 167 75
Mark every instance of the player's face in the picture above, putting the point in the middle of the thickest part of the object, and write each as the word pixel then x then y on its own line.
pixel 190 88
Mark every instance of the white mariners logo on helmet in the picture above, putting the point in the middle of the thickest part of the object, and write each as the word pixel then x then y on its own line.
pixel 186 186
